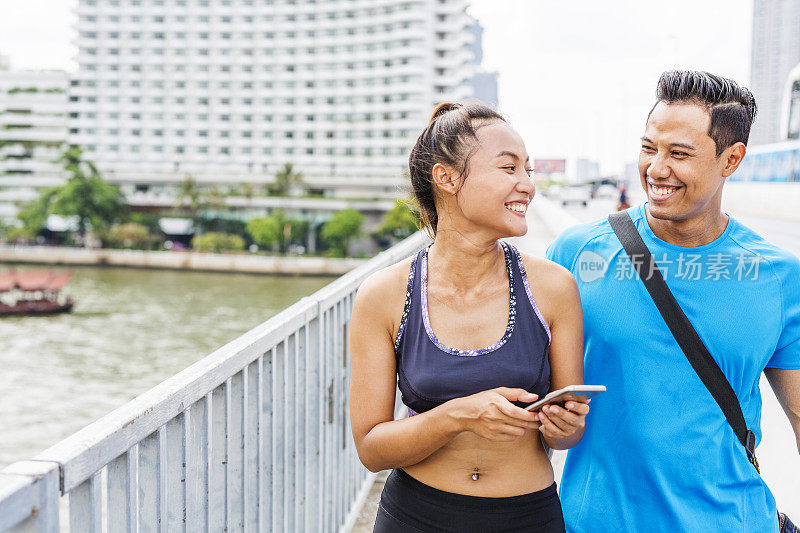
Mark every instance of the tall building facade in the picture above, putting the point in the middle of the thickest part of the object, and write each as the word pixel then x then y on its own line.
pixel 33 130
pixel 230 90
pixel 775 52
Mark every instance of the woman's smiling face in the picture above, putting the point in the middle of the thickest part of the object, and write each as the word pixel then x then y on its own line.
pixel 498 186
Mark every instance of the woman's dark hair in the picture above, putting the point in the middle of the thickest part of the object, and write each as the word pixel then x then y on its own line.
pixel 732 107
pixel 450 138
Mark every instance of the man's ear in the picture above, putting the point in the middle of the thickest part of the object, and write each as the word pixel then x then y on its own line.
pixel 444 178
pixel 733 157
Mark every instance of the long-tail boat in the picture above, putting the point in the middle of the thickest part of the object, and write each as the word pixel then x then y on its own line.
pixel 34 292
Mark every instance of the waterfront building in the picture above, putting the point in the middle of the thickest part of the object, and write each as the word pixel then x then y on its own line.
pixel 775 52
pixel 33 130
pixel 227 91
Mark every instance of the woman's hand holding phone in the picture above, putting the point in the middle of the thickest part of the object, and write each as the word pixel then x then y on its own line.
pixel 491 415
pixel 560 422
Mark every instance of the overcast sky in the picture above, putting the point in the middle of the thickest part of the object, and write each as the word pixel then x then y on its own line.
pixel 577 77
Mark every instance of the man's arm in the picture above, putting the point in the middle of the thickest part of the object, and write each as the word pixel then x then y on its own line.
pixel 786 385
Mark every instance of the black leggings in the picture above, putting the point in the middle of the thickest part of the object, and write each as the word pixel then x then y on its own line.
pixel 408 505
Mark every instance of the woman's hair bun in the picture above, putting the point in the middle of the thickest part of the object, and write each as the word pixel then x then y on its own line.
pixel 443 108
pixel 450 141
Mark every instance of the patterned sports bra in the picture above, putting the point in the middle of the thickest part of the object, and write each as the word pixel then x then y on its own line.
pixel 430 373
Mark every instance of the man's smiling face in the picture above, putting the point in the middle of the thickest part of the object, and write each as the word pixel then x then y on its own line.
pixel 678 163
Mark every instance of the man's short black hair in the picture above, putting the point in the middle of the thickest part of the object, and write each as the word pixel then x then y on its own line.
pixel 732 107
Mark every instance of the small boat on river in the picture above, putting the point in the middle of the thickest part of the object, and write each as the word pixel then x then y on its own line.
pixel 33 292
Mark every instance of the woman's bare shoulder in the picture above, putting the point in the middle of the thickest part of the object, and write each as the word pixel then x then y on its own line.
pixel 546 274
pixel 552 286
pixel 384 289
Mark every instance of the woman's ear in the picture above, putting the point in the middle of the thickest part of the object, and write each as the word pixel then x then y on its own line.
pixel 444 178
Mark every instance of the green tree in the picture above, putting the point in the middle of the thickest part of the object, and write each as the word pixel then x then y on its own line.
pixel 96 203
pixel 217 242
pixel 34 214
pixel 189 195
pixel 398 223
pixel 248 190
pixel 213 198
pixel 341 228
pixel 148 220
pixel 17 233
pixel 265 231
pixel 285 179
pixel 277 230
pixel 130 235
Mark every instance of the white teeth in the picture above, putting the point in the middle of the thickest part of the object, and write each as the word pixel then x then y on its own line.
pixel 519 208
pixel 662 191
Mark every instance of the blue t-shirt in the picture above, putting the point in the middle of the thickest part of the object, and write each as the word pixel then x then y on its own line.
pixel 658 454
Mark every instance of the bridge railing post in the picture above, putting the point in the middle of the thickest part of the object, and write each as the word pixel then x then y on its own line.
pixel 29 497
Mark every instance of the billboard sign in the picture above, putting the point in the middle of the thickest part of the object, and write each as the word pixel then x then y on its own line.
pixel 549 166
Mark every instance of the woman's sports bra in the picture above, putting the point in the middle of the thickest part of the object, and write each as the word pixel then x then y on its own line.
pixel 430 373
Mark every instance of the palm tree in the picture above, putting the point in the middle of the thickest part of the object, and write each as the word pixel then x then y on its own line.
pixel 285 180
pixel 189 194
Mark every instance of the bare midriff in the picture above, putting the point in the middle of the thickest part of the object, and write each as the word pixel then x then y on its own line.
pixel 504 468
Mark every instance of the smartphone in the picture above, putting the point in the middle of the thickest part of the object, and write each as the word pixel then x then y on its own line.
pixel 572 392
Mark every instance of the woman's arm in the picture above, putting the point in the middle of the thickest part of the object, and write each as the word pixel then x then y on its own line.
pixel 562 427
pixel 383 442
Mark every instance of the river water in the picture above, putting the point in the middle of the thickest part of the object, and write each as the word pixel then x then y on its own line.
pixel 130 330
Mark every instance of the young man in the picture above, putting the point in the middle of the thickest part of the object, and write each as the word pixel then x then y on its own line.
pixel 658 453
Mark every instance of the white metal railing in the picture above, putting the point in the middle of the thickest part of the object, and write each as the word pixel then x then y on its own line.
pixel 254 437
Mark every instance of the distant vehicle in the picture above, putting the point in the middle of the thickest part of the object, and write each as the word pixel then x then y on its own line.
pixel 575 194
pixel 606 191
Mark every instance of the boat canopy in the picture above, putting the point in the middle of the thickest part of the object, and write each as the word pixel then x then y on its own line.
pixel 34 280
pixel 7 281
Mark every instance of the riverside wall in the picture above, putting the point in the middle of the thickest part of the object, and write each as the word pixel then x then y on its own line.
pixel 183 260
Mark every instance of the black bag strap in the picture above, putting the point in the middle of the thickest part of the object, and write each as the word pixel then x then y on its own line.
pixel 683 331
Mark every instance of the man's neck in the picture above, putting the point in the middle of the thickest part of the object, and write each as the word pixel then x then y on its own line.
pixel 696 231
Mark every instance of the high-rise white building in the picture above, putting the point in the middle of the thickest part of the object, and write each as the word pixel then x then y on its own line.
pixel 775 52
pixel 230 90
pixel 33 130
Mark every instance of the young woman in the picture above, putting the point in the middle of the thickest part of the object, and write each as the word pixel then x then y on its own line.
pixel 470 329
